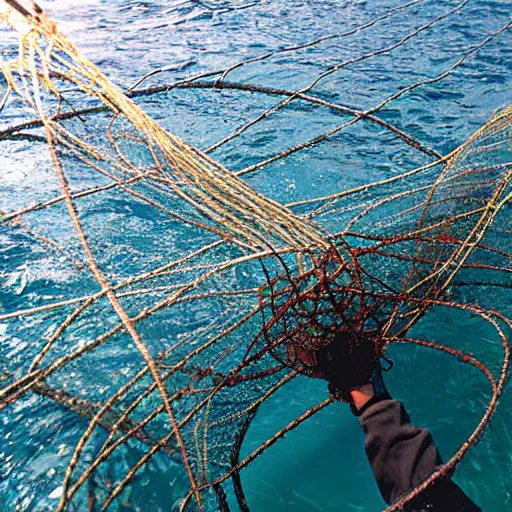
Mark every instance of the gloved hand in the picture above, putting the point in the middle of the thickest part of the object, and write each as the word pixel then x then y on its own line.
pixel 348 363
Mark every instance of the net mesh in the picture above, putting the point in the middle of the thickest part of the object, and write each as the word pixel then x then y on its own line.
pixel 434 237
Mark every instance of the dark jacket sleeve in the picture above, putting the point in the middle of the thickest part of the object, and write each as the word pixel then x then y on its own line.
pixel 403 456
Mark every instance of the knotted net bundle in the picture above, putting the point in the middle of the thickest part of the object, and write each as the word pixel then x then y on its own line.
pixel 434 237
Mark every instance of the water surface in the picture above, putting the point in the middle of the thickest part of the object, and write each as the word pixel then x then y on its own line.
pixel 321 465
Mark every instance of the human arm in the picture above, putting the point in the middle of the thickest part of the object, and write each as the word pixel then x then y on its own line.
pixel 402 455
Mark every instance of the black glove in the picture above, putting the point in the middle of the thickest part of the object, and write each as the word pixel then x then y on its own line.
pixel 349 362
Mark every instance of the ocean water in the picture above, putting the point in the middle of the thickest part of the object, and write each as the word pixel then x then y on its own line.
pixel 322 464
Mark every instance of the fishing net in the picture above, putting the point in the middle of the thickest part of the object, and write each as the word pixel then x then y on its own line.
pixel 263 286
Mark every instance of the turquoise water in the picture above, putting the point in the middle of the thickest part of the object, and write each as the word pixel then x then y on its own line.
pixel 321 465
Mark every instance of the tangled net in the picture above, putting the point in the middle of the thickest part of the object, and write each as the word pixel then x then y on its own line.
pixel 410 243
